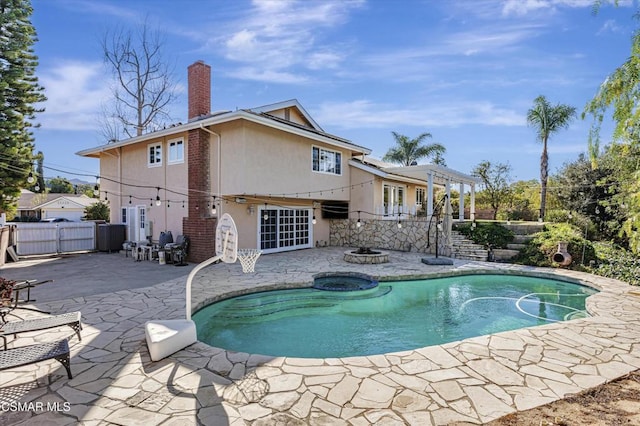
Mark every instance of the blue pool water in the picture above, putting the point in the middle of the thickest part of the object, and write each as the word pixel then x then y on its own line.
pixel 395 316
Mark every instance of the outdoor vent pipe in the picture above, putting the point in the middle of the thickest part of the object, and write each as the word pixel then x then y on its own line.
pixel 562 256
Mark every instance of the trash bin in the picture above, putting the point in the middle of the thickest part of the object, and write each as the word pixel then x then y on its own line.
pixel 110 237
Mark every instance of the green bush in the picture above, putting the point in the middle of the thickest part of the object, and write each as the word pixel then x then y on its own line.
pixel 539 250
pixel 97 211
pixel 490 235
pixel 616 262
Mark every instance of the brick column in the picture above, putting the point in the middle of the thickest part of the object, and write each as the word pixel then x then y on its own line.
pixel 199 225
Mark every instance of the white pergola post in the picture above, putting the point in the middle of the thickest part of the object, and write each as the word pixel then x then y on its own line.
pixel 461 218
pixel 430 193
pixel 472 209
pixel 447 189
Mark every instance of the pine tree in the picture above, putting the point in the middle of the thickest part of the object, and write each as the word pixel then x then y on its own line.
pixel 19 92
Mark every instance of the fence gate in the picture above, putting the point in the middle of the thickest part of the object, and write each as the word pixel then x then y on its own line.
pixel 52 238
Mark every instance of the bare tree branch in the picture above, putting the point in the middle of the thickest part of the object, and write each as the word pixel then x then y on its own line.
pixel 143 88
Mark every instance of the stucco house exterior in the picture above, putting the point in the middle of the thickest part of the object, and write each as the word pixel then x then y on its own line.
pixel 273 168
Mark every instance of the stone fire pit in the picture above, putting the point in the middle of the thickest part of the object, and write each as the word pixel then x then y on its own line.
pixel 367 256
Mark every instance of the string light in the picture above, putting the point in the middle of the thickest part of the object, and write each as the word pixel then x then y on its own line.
pixel 358 223
pixel 265 216
pixel 214 210
pixel 313 220
pixel 158 202
pixel 30 178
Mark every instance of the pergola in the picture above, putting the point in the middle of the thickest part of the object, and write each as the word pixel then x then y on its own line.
pixel 444 176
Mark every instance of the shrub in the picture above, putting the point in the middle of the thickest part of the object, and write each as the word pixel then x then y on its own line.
pixel 539 250
pixel 616 262
pixel 6 288
pixel 490 235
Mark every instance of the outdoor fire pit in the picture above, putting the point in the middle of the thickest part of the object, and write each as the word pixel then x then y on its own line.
pixel 366 255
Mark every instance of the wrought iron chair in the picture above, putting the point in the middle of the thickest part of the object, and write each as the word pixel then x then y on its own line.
pixel 178 251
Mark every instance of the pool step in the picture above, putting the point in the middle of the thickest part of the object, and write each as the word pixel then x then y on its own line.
pixel 291 302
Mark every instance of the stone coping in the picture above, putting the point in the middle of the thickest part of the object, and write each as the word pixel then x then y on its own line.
pixel 475 380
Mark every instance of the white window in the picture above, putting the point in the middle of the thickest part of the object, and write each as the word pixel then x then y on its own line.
pixel 176 151
pixel 420 196
pixel 155 155
pixel 393 199
pixel 326 161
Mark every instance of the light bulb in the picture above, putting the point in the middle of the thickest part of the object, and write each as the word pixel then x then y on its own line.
pixel 265 216
pixel 314 221
pixel 214 210
pixel 399 225
pixel 31 179
pixel 358 223
pixel 37 188
pixel 96 191
pixel 158 202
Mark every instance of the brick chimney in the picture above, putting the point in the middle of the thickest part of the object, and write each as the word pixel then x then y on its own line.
pixel 199 225
pixel 199 80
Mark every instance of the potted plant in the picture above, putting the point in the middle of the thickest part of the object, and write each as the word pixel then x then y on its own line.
pixel 6 289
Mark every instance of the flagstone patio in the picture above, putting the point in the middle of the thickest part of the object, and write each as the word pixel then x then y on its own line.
pixel 474 380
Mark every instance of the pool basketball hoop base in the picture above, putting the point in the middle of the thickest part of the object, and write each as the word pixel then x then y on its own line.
pixel 165 337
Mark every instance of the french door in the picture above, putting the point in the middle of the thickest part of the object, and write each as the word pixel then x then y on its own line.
pixel 282 229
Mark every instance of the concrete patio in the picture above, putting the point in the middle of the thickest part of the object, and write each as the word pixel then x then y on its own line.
pixel 474 381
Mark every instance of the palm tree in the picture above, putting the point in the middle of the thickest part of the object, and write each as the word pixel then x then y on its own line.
pixel 408 151
pixel 547 119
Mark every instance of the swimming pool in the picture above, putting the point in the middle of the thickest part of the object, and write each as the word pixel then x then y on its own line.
pixel 394 316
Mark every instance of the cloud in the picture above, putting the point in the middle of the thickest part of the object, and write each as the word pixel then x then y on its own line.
pixel 99 8
pixel 367 114
pixel 268 38
pixel 75 91
pixel 525 7
pixel 609 26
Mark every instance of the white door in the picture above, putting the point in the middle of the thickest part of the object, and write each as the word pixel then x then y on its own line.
pixel 284 229
pixel 141 223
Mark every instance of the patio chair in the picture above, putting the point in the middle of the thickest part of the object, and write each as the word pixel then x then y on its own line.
pixel 71 319
pixel 178 250
pixel 21 286
pixel 26 355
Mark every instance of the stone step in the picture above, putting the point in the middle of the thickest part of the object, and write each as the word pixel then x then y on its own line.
pixel 524 229
pixel 522 239
pixel 504 254
pixel 465 257
pixel 516 247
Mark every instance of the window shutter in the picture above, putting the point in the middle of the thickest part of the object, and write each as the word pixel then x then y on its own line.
pixel 338 163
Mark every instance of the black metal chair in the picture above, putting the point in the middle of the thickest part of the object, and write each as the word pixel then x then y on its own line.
pixel 178 251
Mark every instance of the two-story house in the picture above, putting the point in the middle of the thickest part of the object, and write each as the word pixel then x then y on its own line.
pixel 273 168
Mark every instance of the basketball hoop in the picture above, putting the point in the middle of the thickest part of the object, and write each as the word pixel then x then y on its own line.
pixel 248 259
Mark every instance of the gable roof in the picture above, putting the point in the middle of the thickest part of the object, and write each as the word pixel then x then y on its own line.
pixel 258 115
pixel 32 201
pixel 291 103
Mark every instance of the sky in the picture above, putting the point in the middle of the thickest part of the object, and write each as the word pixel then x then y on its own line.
pixel 466 71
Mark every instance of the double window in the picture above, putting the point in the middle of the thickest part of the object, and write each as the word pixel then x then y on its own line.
pixel 175 153
pixel 326 161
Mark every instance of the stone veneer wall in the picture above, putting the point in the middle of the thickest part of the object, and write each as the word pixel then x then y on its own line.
pixel 385 234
